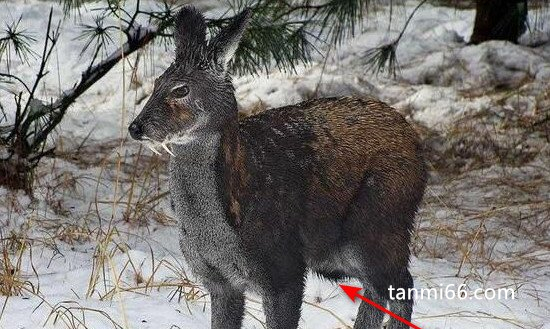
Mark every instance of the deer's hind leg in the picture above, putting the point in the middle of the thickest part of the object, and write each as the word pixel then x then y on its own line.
pixel 377 229
pixel 369 317
pixel 402 307
pixel 345 264
pixel 377 290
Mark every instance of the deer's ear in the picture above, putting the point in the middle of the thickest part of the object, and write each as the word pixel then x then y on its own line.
pixel 189 34
pixel 222 47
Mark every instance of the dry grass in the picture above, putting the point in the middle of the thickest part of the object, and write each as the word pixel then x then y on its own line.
pixel 489 189
pixel 499 136
pixel 473 230
pixel 13 282
pixel 17 252
pixel 476 315
pixel 107 277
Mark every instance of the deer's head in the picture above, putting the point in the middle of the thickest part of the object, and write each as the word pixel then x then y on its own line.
pixel 194 96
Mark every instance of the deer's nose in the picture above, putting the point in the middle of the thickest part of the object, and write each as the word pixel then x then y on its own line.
pixel 135 131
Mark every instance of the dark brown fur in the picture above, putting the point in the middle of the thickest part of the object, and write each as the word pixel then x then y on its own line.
pixel 330 152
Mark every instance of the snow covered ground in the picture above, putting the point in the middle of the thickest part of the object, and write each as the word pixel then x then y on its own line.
pixel 99 249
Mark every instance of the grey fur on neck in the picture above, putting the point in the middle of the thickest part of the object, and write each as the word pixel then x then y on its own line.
pixel 203 149
pixel 194 185
pixel 206 238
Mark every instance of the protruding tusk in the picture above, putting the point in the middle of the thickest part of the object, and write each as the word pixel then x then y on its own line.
pixel 167 149
pixel 153 149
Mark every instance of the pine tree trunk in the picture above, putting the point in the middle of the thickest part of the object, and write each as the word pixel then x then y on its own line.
pixel 499 20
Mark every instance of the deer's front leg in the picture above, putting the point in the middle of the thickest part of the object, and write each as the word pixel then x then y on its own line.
pixel 282 307
pixel 227 306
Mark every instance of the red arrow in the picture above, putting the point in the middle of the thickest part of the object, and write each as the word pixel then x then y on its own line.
pixel 353 292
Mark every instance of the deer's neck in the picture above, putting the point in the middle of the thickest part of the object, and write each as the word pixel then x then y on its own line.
pixel 203 184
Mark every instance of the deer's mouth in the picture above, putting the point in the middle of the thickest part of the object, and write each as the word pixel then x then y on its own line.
pixel 154 145
pixel 158 139
pixel 181 138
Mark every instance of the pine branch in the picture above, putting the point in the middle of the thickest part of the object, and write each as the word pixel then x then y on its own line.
pixel 339 18
pixel 96 34
pixel 17 40
pixel 384 57
pixel 50 41
pixel 139 38
pixel 25 115
pixel 44 117
pixel 272 39
pixel 70 6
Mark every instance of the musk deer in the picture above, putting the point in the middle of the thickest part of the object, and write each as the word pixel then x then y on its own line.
pixel 329 185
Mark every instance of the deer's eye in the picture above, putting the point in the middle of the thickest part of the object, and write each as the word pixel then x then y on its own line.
pixel 179 91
